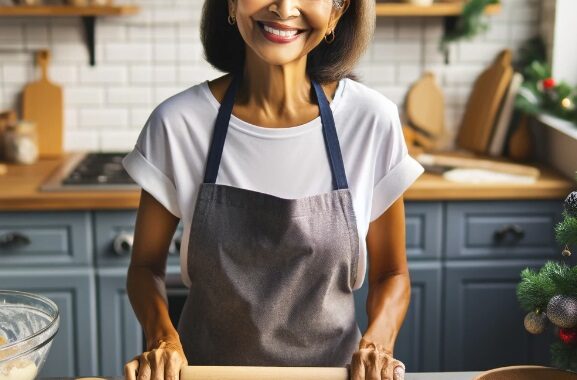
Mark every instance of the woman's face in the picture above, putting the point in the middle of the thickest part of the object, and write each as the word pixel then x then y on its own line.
pixel 283 31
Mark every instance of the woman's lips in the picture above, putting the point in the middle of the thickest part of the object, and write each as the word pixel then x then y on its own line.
pixel 278 33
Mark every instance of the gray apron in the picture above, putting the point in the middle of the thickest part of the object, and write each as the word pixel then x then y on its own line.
pixel 271 278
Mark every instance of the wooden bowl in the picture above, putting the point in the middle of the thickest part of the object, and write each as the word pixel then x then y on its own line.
pixel 527 372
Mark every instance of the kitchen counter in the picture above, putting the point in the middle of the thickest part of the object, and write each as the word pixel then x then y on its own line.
pixel 19 190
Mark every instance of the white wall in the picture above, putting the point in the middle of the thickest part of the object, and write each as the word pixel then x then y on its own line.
pixel 143 59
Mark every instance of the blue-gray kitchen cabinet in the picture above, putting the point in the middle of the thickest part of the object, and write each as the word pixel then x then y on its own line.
pixel 488 244
pixel 119 331
pixel 483 322
pixel 418 344
pixel 74 348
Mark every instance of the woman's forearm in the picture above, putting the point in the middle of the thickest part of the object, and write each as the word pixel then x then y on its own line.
pixel 387 304
pixel 147 293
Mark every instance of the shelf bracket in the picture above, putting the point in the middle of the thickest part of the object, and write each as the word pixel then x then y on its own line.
pixel 89 23
pixel 449 26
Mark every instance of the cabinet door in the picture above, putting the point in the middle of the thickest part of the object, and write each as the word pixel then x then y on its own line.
pixel 483 320
pixel 74 349
pixel 418 342
pixel 120 333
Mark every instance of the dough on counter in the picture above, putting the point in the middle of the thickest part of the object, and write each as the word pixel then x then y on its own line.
pixel 18 369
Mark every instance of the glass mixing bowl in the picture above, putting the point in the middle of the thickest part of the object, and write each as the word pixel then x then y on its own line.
pixel 28 323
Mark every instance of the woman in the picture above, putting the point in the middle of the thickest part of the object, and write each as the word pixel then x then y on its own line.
pixel 311 168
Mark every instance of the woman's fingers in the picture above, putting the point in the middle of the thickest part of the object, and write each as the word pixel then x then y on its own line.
pixel 130 369
pixel 357 367
pixel 156 360
pixel 373 365
pixel 173 365
pixel 399 370
pixel 143 368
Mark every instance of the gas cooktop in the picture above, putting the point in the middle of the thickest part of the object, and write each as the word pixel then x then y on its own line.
pixel 90 172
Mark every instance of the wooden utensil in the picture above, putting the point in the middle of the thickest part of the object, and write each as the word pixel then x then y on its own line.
pixel 263 373
pixel 521 146
pixel 425 108
pixel 504 119
pixel 484 103
pixel 42 104
pixel 462 162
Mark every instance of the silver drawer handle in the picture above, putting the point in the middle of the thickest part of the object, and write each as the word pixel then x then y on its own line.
pixel 14 240
pixel 509 229
pixel 122 244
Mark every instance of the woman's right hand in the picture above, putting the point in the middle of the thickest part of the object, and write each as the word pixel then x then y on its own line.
pixel 162 362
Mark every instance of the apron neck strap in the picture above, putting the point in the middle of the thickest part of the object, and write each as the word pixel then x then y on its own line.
pixel 328 126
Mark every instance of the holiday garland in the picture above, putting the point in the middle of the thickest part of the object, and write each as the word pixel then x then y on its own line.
pixel 550 294
pixel 540 92
pixel 469 23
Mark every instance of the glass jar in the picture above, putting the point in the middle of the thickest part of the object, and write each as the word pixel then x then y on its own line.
pixel 21 143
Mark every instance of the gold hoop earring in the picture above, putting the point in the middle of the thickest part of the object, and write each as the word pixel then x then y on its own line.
pixel 329 38
pixel 231 20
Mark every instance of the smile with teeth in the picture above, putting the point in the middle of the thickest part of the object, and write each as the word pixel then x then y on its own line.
pixel 278 32
pixel 279 35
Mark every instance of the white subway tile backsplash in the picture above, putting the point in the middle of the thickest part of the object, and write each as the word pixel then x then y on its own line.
pixel 133 95
pixel 128 52
pixel 104 118
pixel 84 95
pixel 103 74
pixel 146 58
pixel 118 141
pixel 75 140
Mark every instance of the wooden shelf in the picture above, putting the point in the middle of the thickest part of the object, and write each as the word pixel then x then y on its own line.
pixel 434 10
pixel 88 14
pixel 68 10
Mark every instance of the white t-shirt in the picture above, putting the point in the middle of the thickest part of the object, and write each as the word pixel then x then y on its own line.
pixel 169 158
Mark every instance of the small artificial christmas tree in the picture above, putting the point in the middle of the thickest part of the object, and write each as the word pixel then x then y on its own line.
pixel 550 295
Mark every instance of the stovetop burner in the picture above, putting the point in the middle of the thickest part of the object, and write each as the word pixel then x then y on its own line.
pixel 99 168
pixel 91 171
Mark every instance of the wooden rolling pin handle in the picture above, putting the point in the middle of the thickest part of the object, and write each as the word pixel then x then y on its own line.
pixel 262 373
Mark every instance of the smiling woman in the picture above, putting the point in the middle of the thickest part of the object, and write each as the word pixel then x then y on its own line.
pixel 225 48
pixel 287 175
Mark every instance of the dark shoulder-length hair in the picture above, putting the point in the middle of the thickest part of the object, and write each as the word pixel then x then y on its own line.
pixel 224 47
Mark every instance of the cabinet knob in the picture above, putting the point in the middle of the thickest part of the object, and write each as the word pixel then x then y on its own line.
pixel 122 244
pixel 513 230
pixel 14 240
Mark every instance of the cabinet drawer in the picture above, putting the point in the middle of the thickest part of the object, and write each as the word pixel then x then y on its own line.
pixel 423 229
pixel 44 238
pixel 114 231
pixel 513 229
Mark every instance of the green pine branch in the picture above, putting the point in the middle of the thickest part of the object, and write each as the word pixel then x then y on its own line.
pixel 563 356
pixel 566 230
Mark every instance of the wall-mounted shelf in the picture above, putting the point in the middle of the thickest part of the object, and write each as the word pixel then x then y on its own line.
pixel 88 14
pixel 434 10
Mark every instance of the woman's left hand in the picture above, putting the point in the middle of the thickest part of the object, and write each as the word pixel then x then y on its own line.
pixel 373 362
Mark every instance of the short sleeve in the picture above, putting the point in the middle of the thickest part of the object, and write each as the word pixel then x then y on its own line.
pixel 395 169
pixel 150 163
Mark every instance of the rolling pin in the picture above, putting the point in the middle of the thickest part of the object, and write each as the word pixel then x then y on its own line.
pixel 262 373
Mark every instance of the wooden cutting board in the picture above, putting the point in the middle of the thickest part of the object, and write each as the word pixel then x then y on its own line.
pixel 483 105
pixel 42 103
pixel 426 107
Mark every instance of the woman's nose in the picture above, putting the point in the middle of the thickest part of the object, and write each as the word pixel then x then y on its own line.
pixel 285 9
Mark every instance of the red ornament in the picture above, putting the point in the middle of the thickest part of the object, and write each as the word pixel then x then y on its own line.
pixel 548 83
pixel 568 336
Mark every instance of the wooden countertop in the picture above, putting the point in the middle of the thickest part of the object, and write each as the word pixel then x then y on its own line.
pixel 19 190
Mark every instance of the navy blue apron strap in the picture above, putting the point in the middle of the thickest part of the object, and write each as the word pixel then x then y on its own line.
pixel 331 139
pixel 219 132
pixel 328 126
